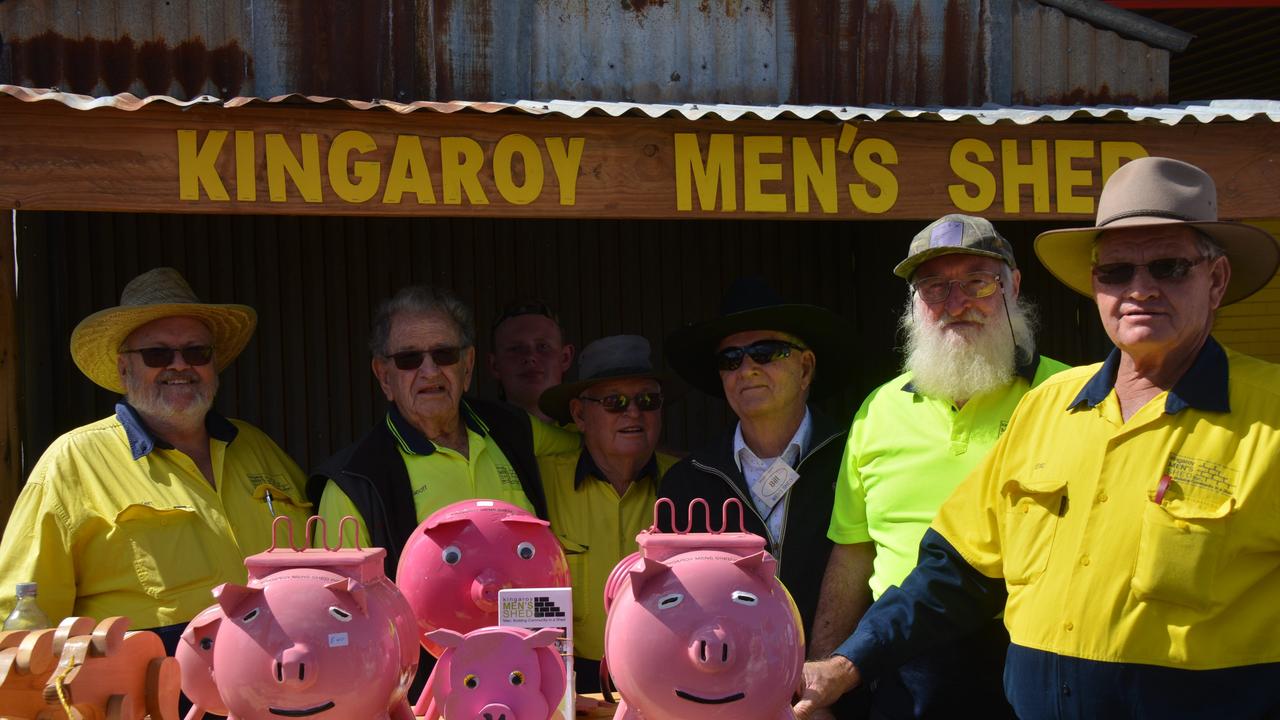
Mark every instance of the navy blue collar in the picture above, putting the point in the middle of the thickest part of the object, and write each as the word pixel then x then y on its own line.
pixel 1204 386
pixel 1024 370
pixel 142 441
pixel 587 468
pixel 412 440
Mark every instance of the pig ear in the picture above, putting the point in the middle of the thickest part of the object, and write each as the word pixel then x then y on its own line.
pixel 761 564
pixel 525 520
pixel 231 596
pixel 554 675
pixel 644 571
pixel 445 637
pixel 543 638
pixel 209 617
pixel 432 524
pixel 352 589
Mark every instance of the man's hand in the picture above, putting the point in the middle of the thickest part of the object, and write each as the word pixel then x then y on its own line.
pixel 824 682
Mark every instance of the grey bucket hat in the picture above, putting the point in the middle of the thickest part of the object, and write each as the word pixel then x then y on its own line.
pixel 615 357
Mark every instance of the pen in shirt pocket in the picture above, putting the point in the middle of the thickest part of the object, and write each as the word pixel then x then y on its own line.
pixel 271 506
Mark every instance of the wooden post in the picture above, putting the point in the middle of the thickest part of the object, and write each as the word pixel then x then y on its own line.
pixel 10 431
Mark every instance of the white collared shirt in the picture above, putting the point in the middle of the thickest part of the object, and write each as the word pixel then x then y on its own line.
pixel 753 469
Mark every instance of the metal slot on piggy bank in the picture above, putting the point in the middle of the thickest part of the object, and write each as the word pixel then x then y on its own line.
pixel 316 632
pixel 457 560
pixel 699 626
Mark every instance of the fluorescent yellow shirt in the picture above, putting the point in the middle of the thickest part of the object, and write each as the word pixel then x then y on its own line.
pixel 108 529
pixel 596 528
pixel 1105 559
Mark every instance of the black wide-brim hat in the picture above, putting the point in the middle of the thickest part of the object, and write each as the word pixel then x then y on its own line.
pixel 752 305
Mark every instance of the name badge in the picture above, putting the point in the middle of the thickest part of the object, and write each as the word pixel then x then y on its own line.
pixel 776 481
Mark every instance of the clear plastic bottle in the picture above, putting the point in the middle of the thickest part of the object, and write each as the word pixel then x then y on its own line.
pixel 26 614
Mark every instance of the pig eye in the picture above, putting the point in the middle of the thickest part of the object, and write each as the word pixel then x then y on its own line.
pixel 340 614
pixel 451 555
pixel 517 678
pixel 471 681
pixel 526 551
pixel 250 616
pixel 666 602
pixel 742 597
pixel 206 643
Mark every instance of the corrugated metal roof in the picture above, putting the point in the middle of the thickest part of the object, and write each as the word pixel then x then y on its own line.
pixel 1203 112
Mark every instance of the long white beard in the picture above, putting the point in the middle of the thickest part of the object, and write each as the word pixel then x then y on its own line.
pixel 957 366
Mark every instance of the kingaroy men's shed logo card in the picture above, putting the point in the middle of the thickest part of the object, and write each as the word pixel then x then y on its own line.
pixel 537 608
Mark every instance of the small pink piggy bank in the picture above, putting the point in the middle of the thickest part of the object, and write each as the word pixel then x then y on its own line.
pixel 458 559
pixel 497 673
pixel 699 626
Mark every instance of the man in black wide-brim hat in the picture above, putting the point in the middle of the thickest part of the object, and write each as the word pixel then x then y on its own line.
pixel 782 456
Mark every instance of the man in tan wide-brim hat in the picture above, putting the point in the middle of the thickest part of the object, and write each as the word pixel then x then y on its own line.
pixel 1125 522
pixel 144 512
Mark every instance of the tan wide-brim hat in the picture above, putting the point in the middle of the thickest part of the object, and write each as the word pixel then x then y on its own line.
pixel 155 294
pixel 1158 192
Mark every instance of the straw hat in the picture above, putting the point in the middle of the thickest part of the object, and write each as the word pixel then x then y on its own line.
pixel 155 294
pixel 615 357
pixel 1159 192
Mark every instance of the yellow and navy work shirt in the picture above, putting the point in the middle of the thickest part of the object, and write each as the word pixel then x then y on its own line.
pixel 596 528
pixel 114 521
pixel 440 476
pixel 1121 549
pixel 907 452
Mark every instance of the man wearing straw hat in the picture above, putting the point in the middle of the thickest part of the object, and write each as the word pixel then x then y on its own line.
pixel 601 495
pixel 1126 520
pixel 142 513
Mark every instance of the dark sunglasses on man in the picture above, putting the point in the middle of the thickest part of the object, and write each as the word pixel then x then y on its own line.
pixel 1175 269
pixel 412 359
pixel 159 357
pixel 618 403
pixel 762 352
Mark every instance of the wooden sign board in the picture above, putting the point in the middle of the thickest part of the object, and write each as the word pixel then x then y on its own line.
pixel 309 160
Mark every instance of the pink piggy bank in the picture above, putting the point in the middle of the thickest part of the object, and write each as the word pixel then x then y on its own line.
pixel 195 661
pixel 497 673
pixel 458 559
pixel 699 626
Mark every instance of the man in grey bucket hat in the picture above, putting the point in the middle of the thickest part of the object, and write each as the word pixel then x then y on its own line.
pixel 1125 522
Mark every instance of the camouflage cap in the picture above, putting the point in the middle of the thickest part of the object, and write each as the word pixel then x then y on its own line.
pixel 955 234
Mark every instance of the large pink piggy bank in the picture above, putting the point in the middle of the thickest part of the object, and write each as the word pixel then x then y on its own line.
pixel 497 673
pixel 699 626
pixel 458 559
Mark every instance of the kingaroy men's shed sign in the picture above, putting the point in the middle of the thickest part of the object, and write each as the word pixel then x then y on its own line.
pixel 306 160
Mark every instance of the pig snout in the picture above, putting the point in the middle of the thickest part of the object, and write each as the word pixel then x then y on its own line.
pixel 712 649
pixel 295 668
pixel 495 711
pixel 484 593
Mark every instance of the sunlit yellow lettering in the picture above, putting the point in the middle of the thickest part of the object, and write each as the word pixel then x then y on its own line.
pixel 565 163
pixel 366 170
pixel 503 155
pixel 712 178
pixel 875 173
pixel 806 174
pixel 1069 178
pixel 1035 174
pixel 982 179
pixel 246 173
pixel 197 165
pixel 409 173
pixel 460 161
pixel 305 173
pixel 755 172
pixel 1115 153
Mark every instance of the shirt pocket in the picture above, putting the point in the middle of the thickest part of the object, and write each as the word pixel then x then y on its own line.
pixel 1032 512
pixel 168 548
pixel 579 576
pixel 1179 552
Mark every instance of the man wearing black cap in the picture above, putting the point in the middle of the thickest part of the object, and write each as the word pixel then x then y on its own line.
pixel 781 457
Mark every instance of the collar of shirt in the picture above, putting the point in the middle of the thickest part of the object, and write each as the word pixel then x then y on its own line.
pixel 413 442
pixel 1025 370
pixel 142 441
pixel 1204 386
pixel 587 468
pixel 743 455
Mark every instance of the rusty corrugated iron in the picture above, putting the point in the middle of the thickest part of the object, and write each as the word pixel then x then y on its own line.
pixel 759 52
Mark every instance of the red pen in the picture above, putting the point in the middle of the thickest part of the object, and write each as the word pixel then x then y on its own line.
pixel 1161 489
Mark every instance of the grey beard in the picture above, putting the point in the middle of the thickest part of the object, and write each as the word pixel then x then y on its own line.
pixel 952 367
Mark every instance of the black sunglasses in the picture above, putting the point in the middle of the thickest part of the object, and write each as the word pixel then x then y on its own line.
pixel 762 351
pixel 618 403
pixel 158 357
pixel 412 359
pixel 1162 269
